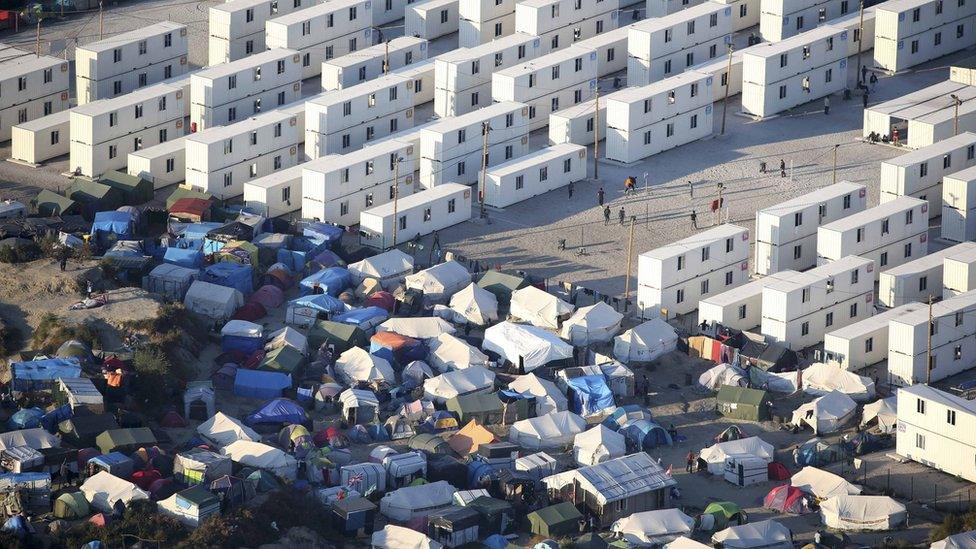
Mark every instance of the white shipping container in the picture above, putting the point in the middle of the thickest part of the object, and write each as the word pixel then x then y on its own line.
pixel 31 110
pixel 481 21
pixel 720 68
pixel 41 139
pixel 30 87
pixel 909 32
pixel 958 205
pixel 923 436
pixel 918 279
pixel 237 28
pixel 367 64
pixel 559 25
pixel 782 19
pixel 576 124
pixel 534 174
pixel 322 32
pixel 611 50
pixel 865 342
pixel 786 234
pixel 852 24
pixel 660 8
pixel 410 137
pixel 431 19
pixel 422 75
pixel 745 13
pixel 926 116
pixel 415 216
pixel 384 12
pixel 919 173
pixel 275 194
pixel 163 164
pixel 741 307
pixel 953 342
pixel 959 273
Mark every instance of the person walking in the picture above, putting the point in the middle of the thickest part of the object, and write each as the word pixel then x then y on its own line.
pixel 796 455
pixel 864 98
pixel 622 215
pixel 691 190
pixel 570 189
pixel 894 136
pixel 606 215
pixel 694 219
pixel 782 167
pixel 690 462
pixel 63 259
pixel 864 73
pixel 827 105
pixel 599 196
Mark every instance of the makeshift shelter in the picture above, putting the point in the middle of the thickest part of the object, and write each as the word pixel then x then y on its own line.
pixel 403 469
pixel 240 335
pixel 332 281
pixel 820 452
pixel 767 534
pixel 714 456
pixel 341 337
pixel 822 378
pixel 190 210
pixel 590 325
pixel 112 226
pixel 786 499
pixel 412 502
pixel 645 342
pixel 722 375
pixel 527 347
pixel 189 258
pixel 823 484
pixel 364 478
pixel 260 384
pixel 476 305
pixel 548 397
pixel 198 465
pixel 356 365
pixel 396 348
pixel 389 268
pixel 398 428
pixel 496 516
pixel 858 513
pixel 171 281
pixel 451 353
pixel 502 285
pixel 454 526
pixel 51 204
pixel 42 374
pixel 114 463
pixel 217 303
pixel 125 440
pixel 467 440
pixel 230 275
pixel 549 431
pixel 590 395
pixel 287 337
pixel 353 516
pixel 418 328
pixel 742 403
pixel 71 506
pixel 626 414
pixel 286 360
pixel 104 490
pixel 191 506
pixel 25 418
pixel 276 412
pixel 81 430
pixel 555 521
pixel 826 414
pixel 459 382
pixel 965 540
pixel 262 456
pixel 539 308
pixel 359 406
pixel 440 282
pixel 598 444
pixel 134 189
pixel 485 408
pixel 398 537
pixel 620 378
pixel 366 319
pixel 269 296
pixel 430 443
pixel 653 528
pixel 883 413
pixel 221 430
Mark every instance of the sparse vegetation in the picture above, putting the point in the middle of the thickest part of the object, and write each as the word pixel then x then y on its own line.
pixel 954 523
pixel 140 522
pixel 29 251
pixel 53 330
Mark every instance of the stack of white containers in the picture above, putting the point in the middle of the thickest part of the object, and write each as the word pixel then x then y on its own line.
pixel 237 28
pixel 559 25
pixel 322 32
pixel 369 63
pixel 534 174
pixel 919 173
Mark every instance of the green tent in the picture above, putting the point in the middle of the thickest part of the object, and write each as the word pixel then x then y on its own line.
pixel 284 359
pixel 486 408
pixel 502 285
pixel 343 336
pixel 184 192
pixel 430 443
pixel 591 541
pixel 555 521
pixel 71 506
pixel 95 197
pixel 725 512
pixel 135 189
pixel 83 430
pixel 742 403
pixel 50 204
pixel 125 440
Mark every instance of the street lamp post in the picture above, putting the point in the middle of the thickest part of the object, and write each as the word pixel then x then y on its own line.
pixel 955 116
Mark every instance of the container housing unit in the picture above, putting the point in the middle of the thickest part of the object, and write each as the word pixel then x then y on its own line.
pixel 864 343
pixel 720 68
pixel 384 12
pixel 643 121
pixel 806 67
pixel 919 173
pixel 369 63
pixel 798 312
pixel 660 8
pixel 665 46
pixel 958 205
pixel 959 273
pixel 336 188
pixel 937 429
pixel 41 139
pixel 741 307
pixel 611 50
pixel 910 32
pixel 162 165
pixel 417 215
pixel 786 234
pixel 745 13
pixel 925 116
pixel 558 79
pixel 422 75
pixel 234 91
pixel 953 346
pixel 451 150
pixel 576 124
pixel 31 87
pixel 220 160
pixel 104 132
pixel 535 173
pixel 129 61
pixel 672 279
pixel 918 279
pixel 889 234
pixel 852 24
pixel 342 121
pixel 560 23
pixel 782 19
pixel 431 19
pixel 276 194
pixel 237 28
pixel 322 32
pixel 462 77
pixel 481 21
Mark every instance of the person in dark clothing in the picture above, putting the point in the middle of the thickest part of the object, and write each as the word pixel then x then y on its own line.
pixel 690 462
pixel 63 259
pixel 694 219
pixel 570 189
pixel 599 196
pixel 606 215
pixel 864 98
pixel 782 167
pixel 622 215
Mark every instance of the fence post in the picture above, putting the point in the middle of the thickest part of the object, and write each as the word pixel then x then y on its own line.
pixel 888 490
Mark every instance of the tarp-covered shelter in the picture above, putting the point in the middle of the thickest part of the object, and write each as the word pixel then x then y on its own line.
pixel 475 305
pixel 714 456
pixel 262 456
pixel 276 412
pixel 965 540
pixel 590 325
pixel 231 275
pixel 822 378
pixel 430 443
pixel 589 395
pixel 171 281
pixel 359 406
pixel 598 444
pixel 549 431
pixel 366 319
pixel 40 375
pixel 403 469
pixel 306 310
pixel 823 484
pixel 36 438
pixel 451 353
pixel 199 465
pixel 467 440
pixel 723 375
pixel 743 403
pixel 858 513
pixel 191 506
pixel 398 537
pixel 413 502
pixel 104 489
pixel 215 302
pixel 502 285
pixel 440 282
pixel 459 382
pixel 826 414
pixel 485 408
pixel 222 430
pixel 653 528
pixel 388 267
pixel 884 412
pixel 356 365
pixel 767 534
pixel 454 526
pixel 81 430
pixel 332 281
pixel 125 440
pixel 555 521
pixel 190 258
pixel 529 347
pixel 112 226
pixel 396 348
pixel 341 336
pixel 241 335
pixel 539 308
pixel 548 397
pixel 260 384
pixel 645 342
pixel 418 328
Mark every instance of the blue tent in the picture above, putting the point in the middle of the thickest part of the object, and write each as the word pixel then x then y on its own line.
pixel 377 432
pixel 331 281
pixel 496 541
pixel 230 275
pixel 241 335
pixel 198 231
pixel 589 394
pixel 624 414
pixel 36 375
pixel 324 259
pixel 480 474
pixel 403 356
pixel 191 258
pixel 279 410
pixel 111 223
pixel 293 259
pixel 260 384
pixel 366 318
pixel 323 234
pixel 643 434
pixel 323 303
pixel 18 526
pixel 25 418
pixel 51 419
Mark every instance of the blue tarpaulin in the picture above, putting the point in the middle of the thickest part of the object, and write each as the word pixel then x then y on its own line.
pixel 332 281
pixel 230 275
pixel 326 258
pixel 51 419
pixel 191 258
pixel 589 395
pixel 323 233
pixel 279 410
pixel 241 335
pixel 643 434
pixel 366 318
pixel 198 231
pixel 320 302
pixel 293 259
pixel 260 384
pixel 25 418
pixel 113 222
pixel 38 375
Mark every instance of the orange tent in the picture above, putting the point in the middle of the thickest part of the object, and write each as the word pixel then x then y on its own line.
pixel 469 438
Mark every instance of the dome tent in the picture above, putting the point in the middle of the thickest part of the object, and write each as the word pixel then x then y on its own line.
pixel 786 499
pixel 823 484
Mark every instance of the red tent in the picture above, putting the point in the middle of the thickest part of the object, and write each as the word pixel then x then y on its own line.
pixel 172 419
pixel 393 340
pixel 786 499
pixel 250 312
pixel 269 296
pixel 100 520
pixel 381 299
pixel 777 471
pixel 144 478
pixel 86 454
pixel 277 277
pixel 191 209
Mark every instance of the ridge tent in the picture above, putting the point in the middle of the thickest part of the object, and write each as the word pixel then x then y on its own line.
pixel 172 281
pixel 430 443
pixel 539 308
pixel 388 268
pixel 440 282
pixel 645 342
pixel 822 378
pixel 786 499
pixel 304 311
pixel 287 337
pixel 475 304
pixel 823 484
pixel 398 537
pixel 826 414
pixel 485 408
pixel 355 365
pixel 198 465
pixel 528 347
pixel 222 430
pixel 469 438
pixel 653 528
pixel 278 411
pixel 714 456
pixel 241 335
pixel 743 403
pixel 125 440
pixel 626 414
pixel 965 540
pixel 884 411
pixel 451 353
pixel 269 296
pixel 381 299
pixel 51 204
pixel 548 431
pixel 589 395
pixel 417 328
pixel 459 382
pixel 723 375
pixel 548 397
pixel 104 490
pixel 109 227
pixel 262 456
pixel 189 209
pixel 767 534
pixel 286 360
pixel 218 303
pixel 230 275
pixel 555 521
pixel 332 281
pixel 590 325
pixel 359 406
pixel 366 318
pixel 82 430
pixel 71 506
pixel 412 502
pixel 858 513
pixel 820 452
pixel 414 374
pixel 260 384
pixel 502 285
pixel 598 444
pixel 342 336
pixel 396 348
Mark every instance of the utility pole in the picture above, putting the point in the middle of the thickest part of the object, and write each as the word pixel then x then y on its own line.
pixel 728 82
pixel 38 39
pixel 485 128
pixel 396 196
pixel 834 171
pixel 596 135
pixel 860 42
pixel 630 259
pixel 928 349
pixel 955 117
pixel 101 21
pixel 721 186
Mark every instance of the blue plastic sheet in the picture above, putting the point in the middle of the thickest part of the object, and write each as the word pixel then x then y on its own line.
pixel 230 275
pixel 113 222
pixel 332 281
pixel 279 410
pixel 260 384
pixel 589 395
pixel 39 374
pixel 191 258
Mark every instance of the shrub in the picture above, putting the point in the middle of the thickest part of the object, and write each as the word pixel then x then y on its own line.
pixel 53 330
pixel 157 383
pixel 141 520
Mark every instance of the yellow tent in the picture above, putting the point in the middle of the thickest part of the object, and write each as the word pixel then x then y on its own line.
pixel 239 251
pixel 469 438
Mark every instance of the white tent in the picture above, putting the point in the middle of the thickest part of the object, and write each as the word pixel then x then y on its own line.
pixel 722 374
pixel 597 445
pixel 398 537
pixel 965 540
pixel 287 337
pixel 529 346
pixel 105 489
pixel 822 378
pixel 262 456
pixel 189 515
pixel 417 501
pixel 358 398
pixel 222 430
pixel 686 543
pixel 539 307
pixel 459 382
pixel 356 364
pixel 450 353
pixel 884 410
pixel 778 382
pixel 826 414
pixel 594 324
pixel 427 327
pixel 36 438
pixel 645 342
pixel 476 305
pixel 388 267
pixel 767 534
pixel 653 528
pixel 440 282
pixel 213 301
pixel 242 328
pixel 823 484
pixel 548 397
pixel 548 431
pixel 863 513
pixel 716 454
